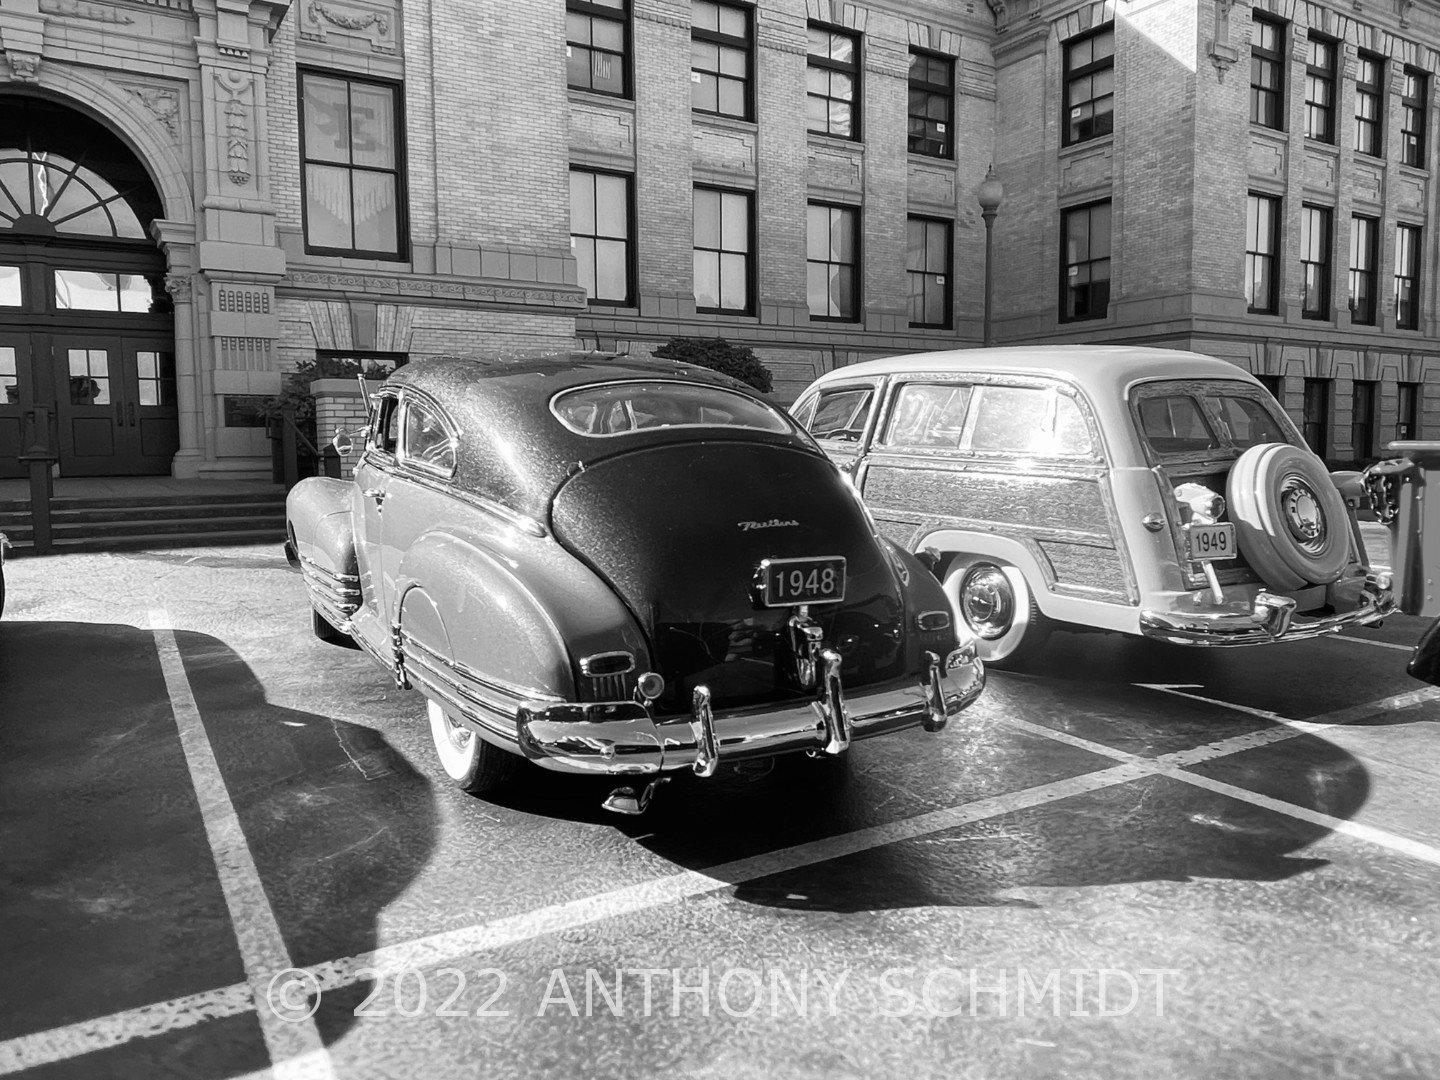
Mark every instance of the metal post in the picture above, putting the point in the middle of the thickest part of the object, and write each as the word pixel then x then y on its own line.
pixel 989 216
pixel 39 455
pixel 289 454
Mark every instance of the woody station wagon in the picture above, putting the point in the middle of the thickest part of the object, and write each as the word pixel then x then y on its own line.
pixel 1140 490
pixel 619 567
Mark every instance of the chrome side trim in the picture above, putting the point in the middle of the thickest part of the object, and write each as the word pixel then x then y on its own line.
pixel 514 691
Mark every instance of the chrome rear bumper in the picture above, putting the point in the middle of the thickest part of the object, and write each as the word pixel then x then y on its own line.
pixel 1270 618
pixel 622 738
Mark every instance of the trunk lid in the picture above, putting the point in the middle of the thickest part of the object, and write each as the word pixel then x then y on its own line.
pixel 679 530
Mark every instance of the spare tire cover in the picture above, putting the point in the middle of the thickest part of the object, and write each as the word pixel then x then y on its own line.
pixel 1290 520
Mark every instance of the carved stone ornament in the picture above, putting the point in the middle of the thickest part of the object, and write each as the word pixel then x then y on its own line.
pixel 162 104
pixel 80 9
pixel 1000 10
pixel 318 12
pixel 24 67
pixel 236 86
pixel 178 286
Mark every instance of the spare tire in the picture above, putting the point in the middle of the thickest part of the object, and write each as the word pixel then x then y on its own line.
pixel 1290 520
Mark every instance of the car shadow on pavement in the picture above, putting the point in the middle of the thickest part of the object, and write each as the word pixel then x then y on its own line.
pixel 110 893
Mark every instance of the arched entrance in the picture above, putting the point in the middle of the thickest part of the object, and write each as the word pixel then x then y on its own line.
pixel 86 326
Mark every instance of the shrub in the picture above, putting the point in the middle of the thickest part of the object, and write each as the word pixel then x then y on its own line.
pixel 717 354
pixel 295 389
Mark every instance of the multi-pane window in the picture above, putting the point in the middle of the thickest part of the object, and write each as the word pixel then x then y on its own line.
pixel 597 45
pixel 832 261
pixel 1090 85
pixel 1362 418
pixel 1267 73
pixel 722 251
pixel 89 376
pixel 1316 415
pixel 1315 262
pixel 155 373
pixel 1370 104
pixel 927 265
pixel 720 57
pixel 1407 277
pixel 1320 90
pixel 600 234
pixel 350 146
pixel 1407 413
pixel 932 104
pixel 1412 117
pixel 832 82
pixel 1364 261
pixel 1262 246
pixel 9 376
pixel 1085 252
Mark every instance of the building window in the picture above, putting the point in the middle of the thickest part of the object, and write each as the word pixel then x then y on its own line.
pixel 1267 73
pixel 597 46
pixel 1262 245
pixel 927 263
pixel 723 267
pixel 1320 90
pixel 832 262
pixel 1369 105
pixel 1272 384
pixel 1364 259
pixel 932 105
pixel 1407 277
pixel 600 234
pixel 720 52
pixel 1362 419
pixel 1412 117
pixel 1315 262
pixel 1090 86
pixel 1407 414
pixel 1085 253
pixel 1316 425
pixel 350 146
pixel 832 82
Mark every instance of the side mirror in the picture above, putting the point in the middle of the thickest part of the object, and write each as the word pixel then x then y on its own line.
pixel 343 443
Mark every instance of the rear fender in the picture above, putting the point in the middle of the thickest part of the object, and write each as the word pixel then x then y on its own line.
pixel 318 521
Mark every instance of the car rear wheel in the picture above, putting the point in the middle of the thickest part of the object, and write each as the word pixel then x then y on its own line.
pixel 1290 519
pixel 321 628
pixel 998 606
pixel 475 765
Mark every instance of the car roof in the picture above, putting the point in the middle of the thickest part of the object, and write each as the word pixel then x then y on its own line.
pixel 1108 370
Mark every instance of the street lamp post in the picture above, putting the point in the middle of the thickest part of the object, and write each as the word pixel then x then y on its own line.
pixel 990 193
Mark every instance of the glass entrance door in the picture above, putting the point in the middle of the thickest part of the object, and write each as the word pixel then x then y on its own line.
pixel 116 404
pixel 15 397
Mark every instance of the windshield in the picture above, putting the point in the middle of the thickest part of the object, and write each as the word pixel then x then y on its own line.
pixel 622 408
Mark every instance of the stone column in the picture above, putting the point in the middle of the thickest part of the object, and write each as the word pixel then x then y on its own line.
pixel 177 240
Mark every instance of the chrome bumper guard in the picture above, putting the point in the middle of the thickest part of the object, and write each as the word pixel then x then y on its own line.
pixel 622 738
pixel 1271 618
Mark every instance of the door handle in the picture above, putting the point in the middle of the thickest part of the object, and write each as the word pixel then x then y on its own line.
pixel 132 413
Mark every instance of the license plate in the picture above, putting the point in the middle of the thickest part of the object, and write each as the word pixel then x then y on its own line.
pixel 787 582
pixel 1211 543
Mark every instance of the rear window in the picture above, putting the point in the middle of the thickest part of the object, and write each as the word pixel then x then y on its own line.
pixel 1248 423
pixel 611 409
pixel 1174 424
pixel 840 414
pixel 931 416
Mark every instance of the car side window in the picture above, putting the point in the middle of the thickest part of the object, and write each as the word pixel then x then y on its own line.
pixel 385 431
pixel 1029 420
pixel 929 415
pixel 1248 423
pixel 840 414
pixel 1174 424
pixel 428 442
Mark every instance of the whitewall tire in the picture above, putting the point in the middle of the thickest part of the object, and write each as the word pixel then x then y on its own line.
pixel 475 765
pixel 996 604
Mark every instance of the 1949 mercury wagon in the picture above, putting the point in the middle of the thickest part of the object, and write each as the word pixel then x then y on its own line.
pixel 1141 490
pixel 620 567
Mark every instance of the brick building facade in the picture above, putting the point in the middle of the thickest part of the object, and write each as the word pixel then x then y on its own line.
pixel 374 178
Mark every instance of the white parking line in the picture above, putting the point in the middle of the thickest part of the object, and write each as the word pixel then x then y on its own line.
pixel 296 1049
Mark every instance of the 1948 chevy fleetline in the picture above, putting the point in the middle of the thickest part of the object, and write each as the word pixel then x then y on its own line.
pixel 1141 490
pixel 620 567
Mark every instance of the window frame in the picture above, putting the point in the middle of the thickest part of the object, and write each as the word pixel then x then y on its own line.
pixel 1407 420
pixel 631 235
pixel 1325 76
pixel 1369 389
pixel 1259 55
pixel 1375 93
pixel 857 266
pixel 1415 239
pixel 1360 223
pixel 623 16
pixel 1322 388
pixel 1070 75
pixel 854 69
pixel 387 403
pixel 1066 212
pixel 745 45
pixel 1326 265
pixel 409 398
pixel 751 240
pixel 399 170
pixel 949 285
pixel 1413 147
pixel 1276 204
pixel 931 90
